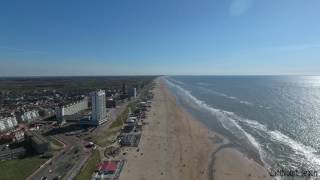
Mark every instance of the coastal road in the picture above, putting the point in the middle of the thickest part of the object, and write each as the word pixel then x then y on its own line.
pixel 62 163
pixel 69 160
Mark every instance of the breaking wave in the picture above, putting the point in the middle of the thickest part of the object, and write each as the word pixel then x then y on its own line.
pixel 227 96
pixel 231 122
pixel 224 117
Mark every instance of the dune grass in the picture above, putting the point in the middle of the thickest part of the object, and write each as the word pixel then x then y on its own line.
pixel 111 133
pixel 90 166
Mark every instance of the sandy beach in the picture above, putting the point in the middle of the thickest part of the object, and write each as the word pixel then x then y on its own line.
pixel 174 145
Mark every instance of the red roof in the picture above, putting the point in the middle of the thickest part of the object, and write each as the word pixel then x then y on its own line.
pixel 107 166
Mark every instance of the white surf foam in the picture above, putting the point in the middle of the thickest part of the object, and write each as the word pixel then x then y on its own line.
pixel 176 81
pixel 203 84
pixel 224 117
pixel 230 120
pixel 246 102
pixel 308 152
pixel 300 149
pixel 227 96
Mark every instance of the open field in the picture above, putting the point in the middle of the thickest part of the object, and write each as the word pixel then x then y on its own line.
pixel 19 169
pixel 89 167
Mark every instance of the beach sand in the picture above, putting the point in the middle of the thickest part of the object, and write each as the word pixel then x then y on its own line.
pixel 175 146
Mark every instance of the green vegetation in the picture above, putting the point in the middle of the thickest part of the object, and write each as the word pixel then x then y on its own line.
pixel 89 167
pixel 20 168
pixel 107 138
pixel 55 145
pixel 110 134
pixel 74 84
pixel 120 119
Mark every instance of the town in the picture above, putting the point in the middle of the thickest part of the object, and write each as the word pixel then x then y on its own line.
pixel 71 127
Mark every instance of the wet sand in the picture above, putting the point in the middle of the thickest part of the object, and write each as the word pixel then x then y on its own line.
pixel 174 145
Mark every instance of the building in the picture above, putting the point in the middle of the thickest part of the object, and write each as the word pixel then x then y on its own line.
pixel 135 92
pixel 7 153
pixel 71 109
pixel 59 111
pixel 132 92
pixel 8 123
pixel 111 103
pixel 124 89
pixel 36 141
pixel 107 167
pixel 30 116
pixel 108 170
pixel 99 114
pixel 75 107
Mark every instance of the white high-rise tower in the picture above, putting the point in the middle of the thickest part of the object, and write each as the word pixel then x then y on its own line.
pixel 98 107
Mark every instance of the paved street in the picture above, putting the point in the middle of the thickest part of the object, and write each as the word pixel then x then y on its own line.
pixel 65 160
pixel 68 161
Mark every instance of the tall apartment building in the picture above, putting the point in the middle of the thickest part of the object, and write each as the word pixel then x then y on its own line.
pixel 71 109
pixel 99 114
pixel 132 92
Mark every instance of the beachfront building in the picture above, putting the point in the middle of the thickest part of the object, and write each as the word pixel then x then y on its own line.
pixel 71 109
pixel 99 114
pixel 8 123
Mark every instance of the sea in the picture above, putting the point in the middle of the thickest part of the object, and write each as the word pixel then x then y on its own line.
pixel 277 116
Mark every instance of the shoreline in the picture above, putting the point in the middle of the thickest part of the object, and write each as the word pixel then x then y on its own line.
pixel 175 145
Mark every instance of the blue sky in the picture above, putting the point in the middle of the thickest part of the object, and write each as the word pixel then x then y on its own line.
pixel 137 37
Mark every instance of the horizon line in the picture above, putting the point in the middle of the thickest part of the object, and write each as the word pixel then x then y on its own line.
pixel 39 76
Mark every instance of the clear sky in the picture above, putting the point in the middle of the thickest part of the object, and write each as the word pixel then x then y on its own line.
pixel 137 37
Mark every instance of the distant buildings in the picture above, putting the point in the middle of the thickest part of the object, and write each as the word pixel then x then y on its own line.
pixel 99 113
pixel 59 111
pixel 111 103
pixel 124 89
pixel 8 123
pixel 132 92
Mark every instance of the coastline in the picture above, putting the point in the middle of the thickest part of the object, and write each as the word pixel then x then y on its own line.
pixel 175 145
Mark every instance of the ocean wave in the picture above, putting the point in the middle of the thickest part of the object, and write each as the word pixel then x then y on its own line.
pixel 203 84
pixel 176 81
pixel 224 117
pixel 230 121
pixel 227 96
pixel 246 102
pixel 308 152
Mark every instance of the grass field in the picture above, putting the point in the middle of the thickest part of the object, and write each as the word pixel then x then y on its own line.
pixel 19 169
pixel 89 167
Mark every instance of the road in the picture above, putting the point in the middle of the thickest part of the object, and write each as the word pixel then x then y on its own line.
pixel 69 161
pixel 74 151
